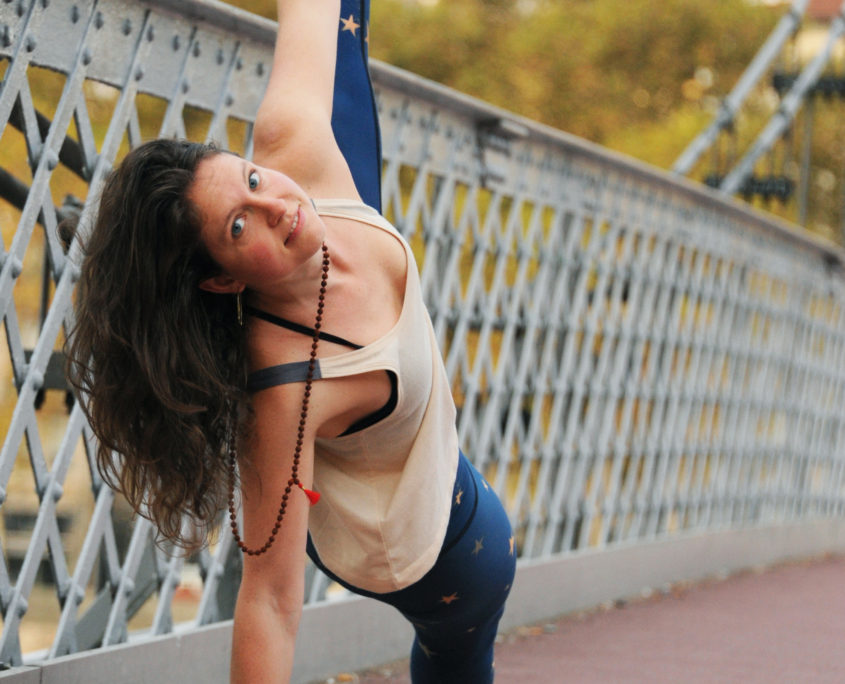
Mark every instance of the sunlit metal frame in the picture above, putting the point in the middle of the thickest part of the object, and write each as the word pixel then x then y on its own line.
pixel 633 356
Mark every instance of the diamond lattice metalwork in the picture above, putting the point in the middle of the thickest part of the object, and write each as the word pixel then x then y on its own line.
pixel 632 356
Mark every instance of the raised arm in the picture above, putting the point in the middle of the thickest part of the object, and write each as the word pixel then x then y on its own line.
pixel 293 131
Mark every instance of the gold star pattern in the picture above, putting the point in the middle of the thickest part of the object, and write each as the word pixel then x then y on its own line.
pixel 449 599
pixel 350 24
pixel 458 497
pixel 510 543
pixel 478 546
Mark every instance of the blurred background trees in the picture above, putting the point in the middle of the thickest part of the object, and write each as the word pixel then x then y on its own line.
pixel 636 76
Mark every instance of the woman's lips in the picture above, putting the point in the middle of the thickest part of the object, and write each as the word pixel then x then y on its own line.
pixel 296 225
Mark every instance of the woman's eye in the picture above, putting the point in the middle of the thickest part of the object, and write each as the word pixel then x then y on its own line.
pixel 253 180
pixel 238 226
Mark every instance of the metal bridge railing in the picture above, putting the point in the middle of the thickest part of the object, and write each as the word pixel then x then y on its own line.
pixel 633 356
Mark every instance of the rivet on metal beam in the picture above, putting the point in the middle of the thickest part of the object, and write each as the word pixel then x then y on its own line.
pixel 17 267
pixel 128 587
pixel 45 3
pixel 259 69
pixel 126 27
pixel 229 100
pixel 186 85
pixel 2 496
pixel 239 64
pixel 36 379
pixel 20 9
pixel 197 50
pixel 74 14
pixel 177 43
pixel 98 20
pixel 52 160
pixel 29 44
pixel 151 33
pixel 21 607
pixel 86 57
pixel 220 56
pixel 5 36
pixel 56 491
pixel 75 271
pixel 139 73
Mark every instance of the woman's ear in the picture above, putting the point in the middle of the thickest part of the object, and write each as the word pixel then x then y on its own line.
pixel 222 284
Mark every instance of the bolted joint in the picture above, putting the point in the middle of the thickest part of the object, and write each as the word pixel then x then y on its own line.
pixel 74 270
pixel 36 379
pixel 17 267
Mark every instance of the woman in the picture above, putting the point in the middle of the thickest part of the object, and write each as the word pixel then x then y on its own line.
pixel 206 288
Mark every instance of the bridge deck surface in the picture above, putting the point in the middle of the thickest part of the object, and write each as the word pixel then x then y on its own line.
pixel 784 624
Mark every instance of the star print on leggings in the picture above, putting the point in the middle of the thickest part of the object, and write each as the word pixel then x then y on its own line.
pixel 449 599
pixel 350 24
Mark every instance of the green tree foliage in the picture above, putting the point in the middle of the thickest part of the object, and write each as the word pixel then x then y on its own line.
pixel 591 67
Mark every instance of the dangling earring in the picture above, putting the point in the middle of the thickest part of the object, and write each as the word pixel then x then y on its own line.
pixel 240 308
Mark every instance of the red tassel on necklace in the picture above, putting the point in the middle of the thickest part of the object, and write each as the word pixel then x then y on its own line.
pixel 313 496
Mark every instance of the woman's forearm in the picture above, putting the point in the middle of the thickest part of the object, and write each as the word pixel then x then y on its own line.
pixel 263 642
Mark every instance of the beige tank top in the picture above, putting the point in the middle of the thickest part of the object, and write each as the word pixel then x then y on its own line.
pixel 386 490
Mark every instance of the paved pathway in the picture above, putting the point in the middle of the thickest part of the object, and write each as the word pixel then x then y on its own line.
pixel 786 624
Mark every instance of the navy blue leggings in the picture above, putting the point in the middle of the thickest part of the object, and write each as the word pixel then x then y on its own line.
pixel 455 608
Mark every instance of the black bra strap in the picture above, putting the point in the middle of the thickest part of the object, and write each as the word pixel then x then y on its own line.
pixel 296 327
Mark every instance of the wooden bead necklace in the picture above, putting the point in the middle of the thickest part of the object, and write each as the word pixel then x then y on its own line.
pixel 313 497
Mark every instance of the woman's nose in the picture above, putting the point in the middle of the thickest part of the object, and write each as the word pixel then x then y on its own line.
pixel 274 208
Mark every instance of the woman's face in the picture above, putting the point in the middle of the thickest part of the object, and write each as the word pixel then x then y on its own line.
pixel 257 224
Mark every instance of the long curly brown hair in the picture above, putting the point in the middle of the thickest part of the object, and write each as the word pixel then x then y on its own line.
pixel 160 363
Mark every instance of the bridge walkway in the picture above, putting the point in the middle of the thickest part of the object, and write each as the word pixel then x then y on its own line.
pixel 779 624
